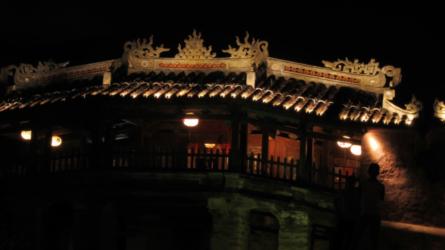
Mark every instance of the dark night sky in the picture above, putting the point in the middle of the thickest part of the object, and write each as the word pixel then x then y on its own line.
pixel 404 36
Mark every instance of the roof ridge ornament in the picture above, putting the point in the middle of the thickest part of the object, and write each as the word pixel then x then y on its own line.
pixel 194 48
pixel 26 73
pixel 42 67
pixel 414 105
pixel 371 68
pixel 249 49
pixel 21 76
pixel 411 110
pixel 439 109
pixel 6 72
pixel 143 49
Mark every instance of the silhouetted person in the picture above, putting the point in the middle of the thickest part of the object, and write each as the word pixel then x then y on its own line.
pixel 347 207
pixel 372 193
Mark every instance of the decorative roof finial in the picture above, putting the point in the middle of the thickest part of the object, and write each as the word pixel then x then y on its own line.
pixel 439 110
pixel 42 67
pixel 414 105
pixel 7 72
pixel 194 48
pixel 143 49
pixel 246 49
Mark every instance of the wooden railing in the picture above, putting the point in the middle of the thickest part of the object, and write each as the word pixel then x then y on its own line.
pixel 290 170
pixel 209 160
pixel 273 167
pixel 282 169
pixel 68 161
pixel 328 178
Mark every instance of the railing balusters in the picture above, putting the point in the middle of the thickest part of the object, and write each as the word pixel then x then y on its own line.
pixel 292 169
pixel 284 169
pixel 216 160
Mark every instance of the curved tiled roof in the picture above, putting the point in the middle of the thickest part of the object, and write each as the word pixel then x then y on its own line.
pixel 347 90
pixel 287 100
pixel 291 94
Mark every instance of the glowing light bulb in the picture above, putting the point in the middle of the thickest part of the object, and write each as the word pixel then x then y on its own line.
pixel 356 150
pixel 26 135
pixel 56 141
pixel 209 145
pixel 344 144
pixel 190 120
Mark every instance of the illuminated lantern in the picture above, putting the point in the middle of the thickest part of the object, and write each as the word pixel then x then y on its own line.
pixel 190 120
pixel 56 141
pixel 356 150
pixel 209 145
pixel 344 144
pixel 26 135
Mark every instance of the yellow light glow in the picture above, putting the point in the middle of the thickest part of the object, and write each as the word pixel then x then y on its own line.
pixel 344 144
pixel 356 150
pixel 373 143
pixel 56 141
pixel 202 93
pixel 209 145
pixel 190 120
pixel 26 135
pixel 246 94
pixel 158 94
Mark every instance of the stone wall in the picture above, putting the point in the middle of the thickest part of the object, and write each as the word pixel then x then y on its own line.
pixel 231 229
pixel 162 210
pixel 412 169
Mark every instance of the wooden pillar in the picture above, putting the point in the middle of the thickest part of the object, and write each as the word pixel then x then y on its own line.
pixel 235 159
pixel 302 165
pixel 306 143
pixel 265 143
pixel 95 154
pixel 102 138
pixel 243 142
pixel 309 161
pixel 40 150
pixel 137 161
pixel 264 151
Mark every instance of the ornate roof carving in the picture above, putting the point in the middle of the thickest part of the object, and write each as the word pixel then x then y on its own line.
pixel 26 73
pixel 7 72
pixel 414 106
pixel 143 49
pixel 388 113
pixel 249 49
pixel 439 110
pixel 410 112
pixel 194 48
pixel 42 67
pixel 371 68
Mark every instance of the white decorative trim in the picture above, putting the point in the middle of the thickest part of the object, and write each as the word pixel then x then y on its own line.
pixel 371 69
pixel 310 73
